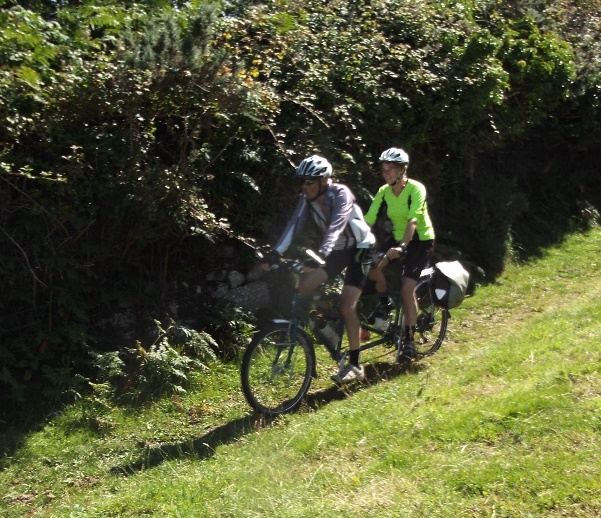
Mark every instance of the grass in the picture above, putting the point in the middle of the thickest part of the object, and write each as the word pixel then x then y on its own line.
pixel 504 421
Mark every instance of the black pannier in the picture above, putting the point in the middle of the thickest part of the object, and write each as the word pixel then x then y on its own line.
pixel 449 284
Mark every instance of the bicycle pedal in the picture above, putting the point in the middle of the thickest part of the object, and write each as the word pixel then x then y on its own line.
pixel 389 335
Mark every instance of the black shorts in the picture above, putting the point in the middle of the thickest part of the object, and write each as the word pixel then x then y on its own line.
pixel 349 258
pixel 418 255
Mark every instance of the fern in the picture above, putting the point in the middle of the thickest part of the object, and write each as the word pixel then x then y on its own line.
pixel 140 374
pixel 192 343
pixel 232 327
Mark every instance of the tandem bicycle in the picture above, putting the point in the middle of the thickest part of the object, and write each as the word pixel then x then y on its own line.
pixel 280 362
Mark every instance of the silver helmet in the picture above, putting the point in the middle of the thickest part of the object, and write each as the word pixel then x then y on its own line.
pixel 394 154
pixel 314 167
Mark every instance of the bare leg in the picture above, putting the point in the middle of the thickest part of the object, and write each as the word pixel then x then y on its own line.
pixel 348 307
pixel 377 275
pixel 311 280
pixel 409 301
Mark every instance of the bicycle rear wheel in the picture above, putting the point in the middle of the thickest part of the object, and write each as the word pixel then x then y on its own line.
pixel 432 322
pixel 276 372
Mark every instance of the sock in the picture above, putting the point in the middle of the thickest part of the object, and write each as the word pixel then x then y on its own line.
pixel 409 332
pixel 384 299
pixel 354 357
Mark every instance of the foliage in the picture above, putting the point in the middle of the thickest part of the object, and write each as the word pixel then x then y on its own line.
pixel 136 137
pixel 230 326
pixel 451 81
pixel 105 218
pixel 137 375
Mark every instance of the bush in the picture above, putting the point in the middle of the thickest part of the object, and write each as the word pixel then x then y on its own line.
pixel 138 375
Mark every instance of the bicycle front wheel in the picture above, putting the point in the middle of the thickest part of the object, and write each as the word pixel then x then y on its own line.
pixel 432 322
pixel 276 371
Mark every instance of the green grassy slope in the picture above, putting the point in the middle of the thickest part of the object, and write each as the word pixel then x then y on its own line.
pixel 504 421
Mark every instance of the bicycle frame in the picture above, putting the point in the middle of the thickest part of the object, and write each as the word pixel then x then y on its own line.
pixel 301 318
pixel 298 322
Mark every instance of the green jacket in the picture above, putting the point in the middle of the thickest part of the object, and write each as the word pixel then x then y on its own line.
pixel 410 204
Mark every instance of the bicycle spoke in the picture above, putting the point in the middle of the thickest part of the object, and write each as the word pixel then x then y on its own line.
pixel 431 323
pixel 276 373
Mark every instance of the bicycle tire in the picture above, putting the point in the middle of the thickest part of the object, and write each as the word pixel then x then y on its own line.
pixel 432 322
pixel 276 374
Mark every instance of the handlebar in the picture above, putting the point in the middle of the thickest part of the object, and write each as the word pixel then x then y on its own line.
pixel 291 264
pixel 296 265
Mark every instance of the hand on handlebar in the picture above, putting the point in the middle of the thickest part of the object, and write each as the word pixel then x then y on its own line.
pixel 272 258
pixel 393 253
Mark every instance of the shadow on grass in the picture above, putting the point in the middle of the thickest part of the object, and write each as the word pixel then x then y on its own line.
pixel 17 422
pixel 204 447
pixel 375 373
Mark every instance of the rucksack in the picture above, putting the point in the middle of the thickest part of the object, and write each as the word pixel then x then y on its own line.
pixel 382 228
pixel 449 284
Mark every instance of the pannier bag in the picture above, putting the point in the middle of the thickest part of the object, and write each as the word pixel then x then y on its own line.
pixel 449 284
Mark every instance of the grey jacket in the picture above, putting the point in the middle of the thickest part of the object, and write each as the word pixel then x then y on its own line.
pixel 346 229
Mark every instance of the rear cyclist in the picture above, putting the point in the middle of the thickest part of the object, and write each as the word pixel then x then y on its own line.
pixel 346 239
pixel 413 234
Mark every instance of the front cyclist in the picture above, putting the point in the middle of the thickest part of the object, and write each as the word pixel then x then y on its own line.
pixel 346 239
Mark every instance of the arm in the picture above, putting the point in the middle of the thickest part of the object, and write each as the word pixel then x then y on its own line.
pixel 416 208
pixel 372 214
pixel 294 226
pixel 396 251
pixel 408 236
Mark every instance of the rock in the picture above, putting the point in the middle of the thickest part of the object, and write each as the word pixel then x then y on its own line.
pixel 235 279
pixel 217 276
pixel 251 296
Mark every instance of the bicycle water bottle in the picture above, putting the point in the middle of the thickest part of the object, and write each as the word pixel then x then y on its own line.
pixel 329 332
pixel 381 324
pixel 323 328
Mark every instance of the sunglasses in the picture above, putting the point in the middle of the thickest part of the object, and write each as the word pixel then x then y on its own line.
pixel 308 182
